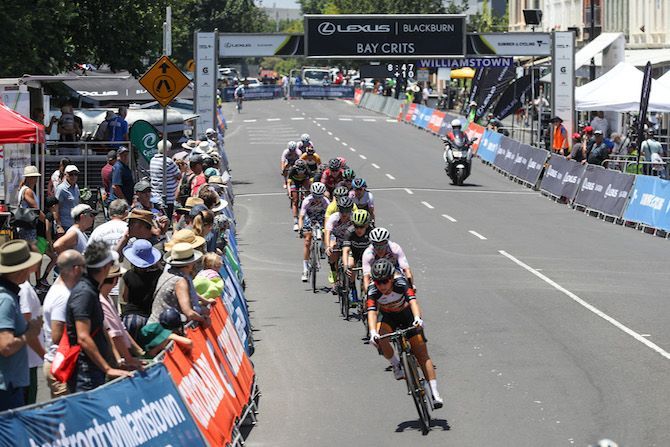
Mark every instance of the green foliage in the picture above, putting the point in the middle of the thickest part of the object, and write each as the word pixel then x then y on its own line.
pixel 372 6
pixel 282 65
pixel 485 21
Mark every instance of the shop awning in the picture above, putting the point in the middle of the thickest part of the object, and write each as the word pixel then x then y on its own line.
pixel 16 128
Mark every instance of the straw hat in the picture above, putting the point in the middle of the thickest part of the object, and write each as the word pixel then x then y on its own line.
pixel 16 256
pixel 31 171
pixel 182 254
pixel 190 203
pixel 116 271
pixel 185 236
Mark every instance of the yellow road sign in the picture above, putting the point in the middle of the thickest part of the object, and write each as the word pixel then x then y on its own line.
pixel 164 81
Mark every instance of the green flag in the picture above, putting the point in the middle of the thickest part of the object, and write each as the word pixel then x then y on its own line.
pixel 144 137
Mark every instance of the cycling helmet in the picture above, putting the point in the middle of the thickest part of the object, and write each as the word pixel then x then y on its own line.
pixel 379 235
pixel 456 123
pixel 382 269
pixel 348 174
pixel 360 218
pixel 170 319
pixel 292 145
pixel 359 183
pixel 305 138
pixel 300 164
pixel 340 191
pixel 334 164
pixel 345 204
pixel 343 162
pixel 318 188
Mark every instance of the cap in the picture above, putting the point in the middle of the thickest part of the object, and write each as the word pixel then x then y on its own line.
pixel 142 186
pixel 576 136
pixel 81 209
pixel 598 132
pixel 111 155
pixel 121 150
pixel 209 172
pixel 71 168
pixel 588 129
pixel 210 131
pixel 31 171
pixel 197 210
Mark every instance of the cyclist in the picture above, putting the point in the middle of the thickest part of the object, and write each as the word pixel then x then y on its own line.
pixel 313 210
pixel 362 197
pixel 355 241
pixel 391 304
pixel 381 247
pixel 305 142
pixel 348 175
pixel 336 227
pixel 313 161
pixel 239 96
pixel 288 157
pixel 340 191
pixel 297 177
pixel 333 175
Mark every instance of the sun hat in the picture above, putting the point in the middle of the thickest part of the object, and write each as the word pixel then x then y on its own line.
pixel 220 205
pixel 204 146
pixel 16 256
pixel 159 146
pixel 210 131
pixel 31 171
pixel 182 254
pixel 143 215
pixel 71 168
pixel 116 270
pixel 189 145
pixel 215 180
pixel 142 254
pixel 81 209
pixel 180 155
pixel 190 203
pixel 209 172
pixel 185 236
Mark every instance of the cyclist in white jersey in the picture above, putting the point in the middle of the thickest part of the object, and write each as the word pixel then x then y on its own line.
pixel 362 198
pixel 336 229
pixel 381 247
pixel 313 210
pixel 288 157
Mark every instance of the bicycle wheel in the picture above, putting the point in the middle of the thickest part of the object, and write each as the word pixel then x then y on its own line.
pixel 416 389
pixel 314 263
pixel 345 296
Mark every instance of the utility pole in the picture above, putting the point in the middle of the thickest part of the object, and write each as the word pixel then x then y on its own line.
pixel 592 35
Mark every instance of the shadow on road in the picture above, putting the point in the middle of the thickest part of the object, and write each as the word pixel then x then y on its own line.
pixel 416 425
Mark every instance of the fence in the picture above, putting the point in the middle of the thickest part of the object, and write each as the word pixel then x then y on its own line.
pixel 296 91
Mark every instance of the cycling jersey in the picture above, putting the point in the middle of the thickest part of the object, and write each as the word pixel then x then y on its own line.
pixel 396 300
pixel 296 176
pixel 290 157
pixel 314 208
pixel 330 178
pixel 356 243
pixel 313 161
pixel 393 253
pixel 365 202
pixel 239 92
pixel 332 208
pixel 337 226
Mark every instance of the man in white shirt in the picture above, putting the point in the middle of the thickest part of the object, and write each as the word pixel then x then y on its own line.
pixel 111 231
pixel 172 176
pixel 71 265
pixel 599 122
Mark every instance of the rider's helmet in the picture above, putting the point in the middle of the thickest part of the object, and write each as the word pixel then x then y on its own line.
pixel 348 174
pixel 379 235
pixel 300 165
pixel 343 162
pixel 456 123
pixel 358 183
pixel 340 191
pixel 345 204
pixel 318 188
pixel 170 319
pixel 360 218
pixel 305 138
pixel 292 145
pixel 334 164
pixel 382 269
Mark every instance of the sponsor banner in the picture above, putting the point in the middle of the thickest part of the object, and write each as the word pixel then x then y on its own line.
pixel 233 298
pixel 384 36
pixel 409 114
pixel 436 121
pixel 509 44
pixel 145 409
pixel 508 149
pixel 204 97
pixel 251 93
pixel 563 78
pixel 644 103
pixel 474 130
pixel 260 45
pixel 492 82
pixel 562 177
pixel 650 202
pixel 472 62
pixel 488 146
pixel 604 190
pixel 144 137
pixel 358 94
pixel 422 116
pixel 529 163
pixel 510 101
pixel 323 91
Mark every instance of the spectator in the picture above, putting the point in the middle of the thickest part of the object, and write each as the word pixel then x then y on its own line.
pixel 122 177
pixel 425 94
pixel 140 284
pixel 69 131
pixel 67 194
pixel 119 127
pixel 16 261
pixel 143 202
pixel 203 220
pixel 111 231
pixel 155 336
pixel 651 146
pixel 186 221
pixel 106 174
pixel 46 235
pixel 599 122
pixel 58 176
pixel 172 176
pixel 104 130
pixel 28 198
pixel 578 152
pixel 70 266
pixel 208 283
pixel 559 141
pixel 31 308
pixel 140 226
pixel 186 237
pixel 75 237
pixel 658 166
pixel 597 153
pixel 619 148
pixel 85 323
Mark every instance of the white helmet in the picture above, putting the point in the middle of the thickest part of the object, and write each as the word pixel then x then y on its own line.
pixel 379 235
pixel 318 188
pixel 305 138
pixel 292 145
pixel 455 122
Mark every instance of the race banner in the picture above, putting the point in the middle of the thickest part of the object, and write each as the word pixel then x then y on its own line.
pixel 529 163
pixel 510 101
pixel 358 94
pixel 604 190
pixel 144 137
pixel 436 121
pixel 507 152
pixel 650 202
pixel 493 82
pixel 145 409
pixel 322 91
pixel 422 116
pixel 488 146
pixel 473 131
pixel 409 114
pixel 562 177
pixel 258 92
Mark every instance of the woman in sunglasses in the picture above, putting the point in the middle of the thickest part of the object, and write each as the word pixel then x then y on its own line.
pixel 382 248
pixel 392 305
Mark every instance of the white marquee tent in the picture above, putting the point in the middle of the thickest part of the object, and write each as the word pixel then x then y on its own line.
pixel 619 90
pixel 665 79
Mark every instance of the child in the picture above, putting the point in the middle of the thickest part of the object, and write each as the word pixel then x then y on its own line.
pixel 46 234
pixel 208 283
pixel 155 336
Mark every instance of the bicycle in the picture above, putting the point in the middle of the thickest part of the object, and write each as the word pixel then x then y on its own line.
pixel 315 253
pixel 417 385
pixel 343 290
pixel 361 295
pixel 238 104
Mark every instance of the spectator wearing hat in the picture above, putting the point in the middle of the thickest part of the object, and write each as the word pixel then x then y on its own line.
pixel 67 194
pixel 57 176
pixel 175 286
pixel 154 337
pixel 70 267
pixel 172 175
pixel 189 145
pixel 559 140
pixel 143 202
pixel 140 284
pixel 186 221
pixel 578 152
pixel 140 226
pixel 16 261
pixel 106 174
pixel 75 237
pixel 186 236
pixel 31 308
pixel 122 177
pixel 597 152
pixel 29 199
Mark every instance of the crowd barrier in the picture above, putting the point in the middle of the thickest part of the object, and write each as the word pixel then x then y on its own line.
pixel 641 200
pixel 252 93
pixel 195 398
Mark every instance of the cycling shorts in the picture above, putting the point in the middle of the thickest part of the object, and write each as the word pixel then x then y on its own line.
pixel 397 320
pixel 295 185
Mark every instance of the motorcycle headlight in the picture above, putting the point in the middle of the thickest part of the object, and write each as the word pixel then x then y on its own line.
pixel 457 153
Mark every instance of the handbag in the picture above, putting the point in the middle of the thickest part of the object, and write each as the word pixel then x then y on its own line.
pixel 24 217
pixel 65 360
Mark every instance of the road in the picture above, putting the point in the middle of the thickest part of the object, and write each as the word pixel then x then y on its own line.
pixel 547 326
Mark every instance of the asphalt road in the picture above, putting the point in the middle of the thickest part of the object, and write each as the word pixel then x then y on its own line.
pixel 547 326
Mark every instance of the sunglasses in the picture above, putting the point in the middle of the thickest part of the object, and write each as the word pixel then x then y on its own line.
pixel 382 281
pixel 379 244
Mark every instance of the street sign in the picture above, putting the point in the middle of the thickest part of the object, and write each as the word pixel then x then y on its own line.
pixel 408 36
pixel 164 81
pixel 423 75
pixel 509 44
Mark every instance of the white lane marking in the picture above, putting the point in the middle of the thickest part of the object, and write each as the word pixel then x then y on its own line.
pixel 322 119
pixel 409 191
pixel 363 156
pixel 329 132
pixel 370 120
pixel 390 176
pixel 336 138
pixel 345 119
pixel 274 119
pixel 388 120
pixel 461 190
pixel 351 103
pixel 375 165
pixel 344 144
pixel 352 149
pixel 261 194
pixel 248 121
pixel 588 306
pixel 449 218
pixel 475 234
pixel 426 204
pixel 304 113
pixel 314 121
pixel 298 118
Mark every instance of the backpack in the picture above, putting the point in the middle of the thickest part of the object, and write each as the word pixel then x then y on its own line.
pixel 185 188
pixel 67 123
pixel 103 133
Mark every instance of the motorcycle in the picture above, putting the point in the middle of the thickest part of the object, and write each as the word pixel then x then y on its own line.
pixel 458 158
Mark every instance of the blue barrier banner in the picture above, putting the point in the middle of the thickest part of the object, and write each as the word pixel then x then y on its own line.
pixel 650 202
pixel 488 146
pixel 422 116
pixel 233 298
pixel 326 91
pixel 145 409
pixel 258 92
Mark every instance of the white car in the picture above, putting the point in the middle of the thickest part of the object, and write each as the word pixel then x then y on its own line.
pixel 252 82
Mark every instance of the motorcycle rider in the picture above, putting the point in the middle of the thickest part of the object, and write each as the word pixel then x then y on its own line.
pixel 453 139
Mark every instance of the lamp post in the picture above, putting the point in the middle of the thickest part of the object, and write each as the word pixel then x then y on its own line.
pixel 532 17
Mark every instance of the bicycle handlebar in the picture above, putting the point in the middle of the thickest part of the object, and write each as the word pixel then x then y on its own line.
pixel 401 332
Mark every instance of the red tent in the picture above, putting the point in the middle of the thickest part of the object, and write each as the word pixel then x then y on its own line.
pixel 16 128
